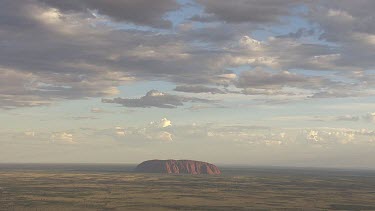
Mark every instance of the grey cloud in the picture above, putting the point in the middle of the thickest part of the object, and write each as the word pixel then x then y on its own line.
pixel 301 32
pixel 330 94
pixel 246 50
pixel 370 117
pixel 199 89
pixel 302 55
pixel 142 12
pixel 22 89
pixel 250 91
pixel 350 25
pixel 44 58
pixel 49 54
pixel 262 79
pixel 219 34
pixel 157 99
pixel 341 22
pixel 347 118
pixel 346 17
pixel 347 23
pixel 261 82
pixel 259 11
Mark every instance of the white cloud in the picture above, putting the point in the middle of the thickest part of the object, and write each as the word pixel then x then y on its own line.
pixel 340 15
pixel 120 133
pixel 165 122
pixel 313 136
pixel 165 136
pixel 63 137
pixel 251 43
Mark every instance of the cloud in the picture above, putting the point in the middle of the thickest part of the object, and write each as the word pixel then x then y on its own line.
pixel 347 118
pixel 140 12
pixel 347 24
pixel 165 122
pixel 334 94
pixel 67 68
pixel 154 98
pixel 119 131
pixel 164 136
pixel 199 89
pixel 63 137
pixel 344 25
pixel 262 82
pixel 331 137
pixel 262 79
pixel 54 50
pixel 217 134
pixel 301 32
pixel 257 11
pixel 370 117
pixel 313 135
pixel 279 137
pixel 270 53
pixel 154 131
pixel 20 88
pixel 251 91
pixel 162 123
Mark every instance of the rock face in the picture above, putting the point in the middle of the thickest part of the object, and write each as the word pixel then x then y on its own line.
pixel 177 167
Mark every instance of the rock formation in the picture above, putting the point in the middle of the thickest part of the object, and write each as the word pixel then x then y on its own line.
pixel 177 167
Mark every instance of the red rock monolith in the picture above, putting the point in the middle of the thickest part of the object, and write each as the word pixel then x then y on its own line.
pixel 177 167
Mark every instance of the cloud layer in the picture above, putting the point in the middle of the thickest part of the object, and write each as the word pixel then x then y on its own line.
pixel 53 51
pixel 154 98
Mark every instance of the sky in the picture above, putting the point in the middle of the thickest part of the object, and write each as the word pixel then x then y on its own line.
pixel 244 82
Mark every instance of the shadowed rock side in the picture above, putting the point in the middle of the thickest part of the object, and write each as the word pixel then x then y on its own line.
pixel 177 167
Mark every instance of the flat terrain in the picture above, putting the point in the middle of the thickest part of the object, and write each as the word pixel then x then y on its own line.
pixel 45 189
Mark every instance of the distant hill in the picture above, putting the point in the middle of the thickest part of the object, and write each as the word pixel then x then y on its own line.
pixel 177 167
